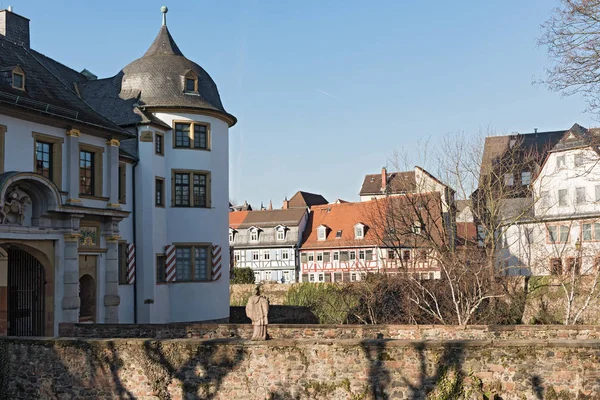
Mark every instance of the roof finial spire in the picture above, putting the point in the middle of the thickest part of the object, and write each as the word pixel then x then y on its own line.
pixel 164 10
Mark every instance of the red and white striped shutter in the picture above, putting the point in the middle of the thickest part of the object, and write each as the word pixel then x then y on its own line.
pixel 216 262
pixel 170 263
pixel 130 263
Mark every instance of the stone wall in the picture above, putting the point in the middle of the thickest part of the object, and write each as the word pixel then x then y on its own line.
pixel 277 331
pixel 298 369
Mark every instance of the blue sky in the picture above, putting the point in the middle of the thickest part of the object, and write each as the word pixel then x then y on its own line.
pixel 325 90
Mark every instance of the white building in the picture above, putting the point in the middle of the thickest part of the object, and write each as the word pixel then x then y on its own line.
pixel 561 231
pixel 98 176
pixel 268 242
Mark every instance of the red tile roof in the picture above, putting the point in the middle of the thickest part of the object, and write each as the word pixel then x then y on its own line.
pixel 236 218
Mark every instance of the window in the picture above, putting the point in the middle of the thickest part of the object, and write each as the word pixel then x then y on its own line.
pixel 590 231
pixel 405 255
pixel 391 254
pixel 352 255
pixel 192 135
pixel 90 170
pixel 597 190
pixel 555 266
pixel 160 269
pixel 86 172
pixel 562 197
pixel 336 256
pixel 280 234
pixel 416 228
pixel 159 192
pixel 191 189
pixel 326 256
pixel 509 179
pixel 190 84
pixel 231 236
pixel 580 195
pixel 311 257
pixel 159 144
pixel 257 277
pixel 361 255
pixel 423 255
pixel 122 183
pixel 303 257
pixel 369 255
pixel 558 233
pixel 525 178
pixel 43 159
pixel 354 277
pixel 236 256
pixel 316 277
pixel 255 255
pixel 193 263
pixel 320 257
pixel 344 256
pixel 268 276
pixel 578 159
pixel 544 198
pixel 597 231
pixel 122 261
pixel 254 235
pixel 560 162
pixel 18 78
pixel 321 233
pixel 266 255
pixel 48 156
pixel 286 276
pixel 358 232
pixel 338 234
pixel 285 254
pixel 573 265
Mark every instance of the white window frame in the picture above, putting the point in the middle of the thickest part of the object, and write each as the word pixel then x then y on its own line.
pixel 336 256
pixel 310 257
pixel 231 236
pixel 236 255
pixel 319 256
pixel 266 255
pixel 354 277
pixel 267 275
pixel 578 160
pixel 254 235
pixel 361 255
pixel 580 195
pixel 560 162
pixel 509 179
pixel 285 254
pixel 525 178
pixel 352 255
pixel 280 234
pixel 563 194
pixel 321 233
pixel 255 255
pixel 359 232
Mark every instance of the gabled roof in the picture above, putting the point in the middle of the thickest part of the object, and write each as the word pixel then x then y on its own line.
pixel 236 218
pixel 305 199
pixel 270 218
pixel 396 182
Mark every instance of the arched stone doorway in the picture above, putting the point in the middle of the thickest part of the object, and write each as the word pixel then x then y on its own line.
pixel 87 296
pixel 26 294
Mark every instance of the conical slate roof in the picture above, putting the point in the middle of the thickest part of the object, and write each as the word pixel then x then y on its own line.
pixel 157 79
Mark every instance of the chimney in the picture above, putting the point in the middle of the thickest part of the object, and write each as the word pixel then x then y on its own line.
pixel 270 208
pixel 286 204
pixel 14 27
pixel 383 179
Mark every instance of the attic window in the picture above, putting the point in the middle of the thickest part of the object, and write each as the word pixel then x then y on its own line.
pixel 18 79
pixel 359 232
pixel 190 85
pixel 338 234
pixel 321 233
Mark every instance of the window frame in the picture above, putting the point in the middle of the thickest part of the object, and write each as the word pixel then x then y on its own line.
pixel 193 247
pixel 193 77
pixel 160 179
pixel 565 198
pixel 57 143
pixel 558 229
pixel 122 183
pixel 191 174
pixel 97 169
pixel 18 71
pixel 359 231
pixel 191 136
pixel 122 262
pixel 525 178
pixel 160 269
pixel 561 162
pixel 580 195
pixel 282 232
pixel 285 254
pixel 159 144
pixel 578 160
pixel 253 232
pixel 321 233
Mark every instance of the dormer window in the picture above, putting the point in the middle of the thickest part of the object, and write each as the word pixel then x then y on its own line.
pixel 322 232
pixel 359 231
pixel 280 232
pixel 416 228
pixel 18 78
pixel 190 83
pixel 338 234
pixel 254 235
pixel 231 235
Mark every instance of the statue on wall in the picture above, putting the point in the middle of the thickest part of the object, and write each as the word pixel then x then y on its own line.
pixel 13 207
pixel 257 310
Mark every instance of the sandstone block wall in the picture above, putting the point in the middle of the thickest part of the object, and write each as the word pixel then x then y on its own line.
pixel 297 369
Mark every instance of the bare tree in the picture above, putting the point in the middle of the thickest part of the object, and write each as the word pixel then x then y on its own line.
pixel 572 38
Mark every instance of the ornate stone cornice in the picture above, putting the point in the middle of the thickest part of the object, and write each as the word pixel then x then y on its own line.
pixel 72 237
pixel 113 239
pixel 113 143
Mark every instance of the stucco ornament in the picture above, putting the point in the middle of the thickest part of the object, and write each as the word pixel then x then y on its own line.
pixel 12 209
pixel 257 310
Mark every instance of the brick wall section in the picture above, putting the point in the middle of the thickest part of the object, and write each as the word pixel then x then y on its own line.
pixel 277 331
pixel 305 369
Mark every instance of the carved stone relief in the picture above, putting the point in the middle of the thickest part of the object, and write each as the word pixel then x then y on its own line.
pixel 15 207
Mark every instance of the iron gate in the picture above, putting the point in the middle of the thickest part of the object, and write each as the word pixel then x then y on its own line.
pixel 26 283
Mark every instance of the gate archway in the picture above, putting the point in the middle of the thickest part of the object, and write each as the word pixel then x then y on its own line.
pixel 26 294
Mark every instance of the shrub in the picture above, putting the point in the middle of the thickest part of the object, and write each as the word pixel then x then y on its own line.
pixel 242 275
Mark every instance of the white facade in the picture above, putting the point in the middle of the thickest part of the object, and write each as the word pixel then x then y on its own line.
pixel 564 230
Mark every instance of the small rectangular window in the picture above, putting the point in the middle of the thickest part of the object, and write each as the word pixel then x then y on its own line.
pixel 320 257
pixel 266 255
pixel 560 162
pixel 122 183
pixel 159 145
pixel 361 255
pixel 160 269
pixel 254 235
pixel 509 179
pixel 564 233
pixel 338 234
pixel 159 198
pixel 86 172
pixel 43 159
pixel 352 255
pixel 580 195
pixel 255 255
pixel 552 234
pixel 578 159
pixel 311 257
pixel 391 254
pixel 321 233
pixel 192 135
pixel 586 231
pixel 525 178
pixel 182 135
pixel 285 254
pixel 122 261
pixel 18 81
pixel 562 197
pixel 190 85
pixel 303 258
pixel 200 137
pixel 555 266
pixel 369 255
pixel 406 255
pixel 597 231
pixel 326 256
pixel 344 256
pixel 280 234
pixel 336 256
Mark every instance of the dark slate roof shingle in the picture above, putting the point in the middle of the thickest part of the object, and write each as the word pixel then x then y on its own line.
pixel 396 182
pixel 305 199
